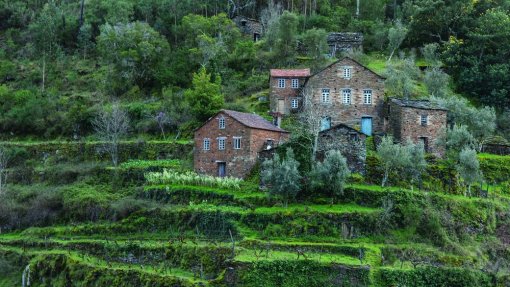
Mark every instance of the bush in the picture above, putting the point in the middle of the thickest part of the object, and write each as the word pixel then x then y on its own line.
pixel 124 207
pixel 192 178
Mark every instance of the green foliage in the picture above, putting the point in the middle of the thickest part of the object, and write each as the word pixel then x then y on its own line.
pixel 204 98
pixel 282 176
pixel 329 176
pixel 469 168
pixel 392 156
pixel 401 77
pixel 192 178
pixel 135 51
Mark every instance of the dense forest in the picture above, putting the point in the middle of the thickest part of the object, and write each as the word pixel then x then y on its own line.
pixel 60 61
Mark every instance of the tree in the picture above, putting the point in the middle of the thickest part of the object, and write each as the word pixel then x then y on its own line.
pixel 204 98
pixel 417 162
pixel 468 168
pixel 436 82
pixel 282 176
pixel 456 139
pixel 85 41
pixel 45 32
pixel 331 174
pixel 316 45
pixel 110 127
pixel 134 50
pixel 401 77
pixel 4 161
pixel 396 36
pixel 392 156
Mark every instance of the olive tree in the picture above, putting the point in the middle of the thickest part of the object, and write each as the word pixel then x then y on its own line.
pixel 282 176
pixel 4 161
pixel 393 156
pixel 331 174
pixel 417 162
pixel 111 125
pixel 396 36
pixel 468 168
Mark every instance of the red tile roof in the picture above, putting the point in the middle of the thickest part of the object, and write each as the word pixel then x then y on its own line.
pixel 299 73
pixel 253 121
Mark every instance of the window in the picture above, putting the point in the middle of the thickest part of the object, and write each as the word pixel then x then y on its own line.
pixel 347 72
pixel 281 83
pixel 325 123
pixel 294 103
pixel 221 143
pixel 424 120
pixel 222 123
pixel 367 97
pixel 325 96
pixel 347 97
pixel 207 144
pixel 237 142
pixel 353 137
pixel 295 83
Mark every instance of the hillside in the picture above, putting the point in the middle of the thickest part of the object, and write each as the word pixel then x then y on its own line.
pixel 99 101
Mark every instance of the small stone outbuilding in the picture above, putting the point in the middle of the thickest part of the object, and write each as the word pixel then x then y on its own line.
pixel 249 26
pixel 229 142
pixel 344 42
pixel 350 142
pixel 418 121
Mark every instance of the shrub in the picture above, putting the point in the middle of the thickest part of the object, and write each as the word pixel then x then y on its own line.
pixel 192 178
pixel 124 207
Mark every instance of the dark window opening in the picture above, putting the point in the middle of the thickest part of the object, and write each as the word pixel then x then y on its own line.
pixel 425 142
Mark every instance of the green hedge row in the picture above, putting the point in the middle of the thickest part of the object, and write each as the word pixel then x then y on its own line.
pixel 301 273
pixel 433 277
pixel 94 151
pixel 496 169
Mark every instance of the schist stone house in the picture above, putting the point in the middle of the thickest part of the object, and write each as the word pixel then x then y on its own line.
pixel 344 42
pixel 249 27
pixel 418 121
pixel 229 142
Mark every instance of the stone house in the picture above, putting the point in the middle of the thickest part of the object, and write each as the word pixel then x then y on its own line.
pixel 350 142
pixel 345 92
pixel 228 143
pixel 249 26
pixel 285 90
pixel 418 121
pixel 344 42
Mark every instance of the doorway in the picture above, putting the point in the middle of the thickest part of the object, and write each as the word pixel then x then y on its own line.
pixel 366 125
pixel 222 169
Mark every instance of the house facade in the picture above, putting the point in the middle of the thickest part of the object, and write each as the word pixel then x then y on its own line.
pixel 250 27
pixel 229 142
pixel 344 92
pixel 350 142
pixel 418 121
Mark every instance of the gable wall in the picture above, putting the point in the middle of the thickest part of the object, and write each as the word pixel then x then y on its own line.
pixel 362 78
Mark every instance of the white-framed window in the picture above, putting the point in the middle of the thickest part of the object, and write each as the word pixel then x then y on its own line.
pixel 347 96
pixel 221 143
pixel 294 103
pixel 281 83
pixel 347 72
pixel 207 144
pixel 237 142
pixel 295 83
pixel 325 99
pixel 221 123
pixel 367 97
pixel 424 120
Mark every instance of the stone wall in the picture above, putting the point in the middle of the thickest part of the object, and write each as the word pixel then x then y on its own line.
pixel 341 139
pixel 405 123
pixel 239 162
pixel 361 79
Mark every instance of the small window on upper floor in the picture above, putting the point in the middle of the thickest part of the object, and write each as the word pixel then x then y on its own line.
pixel 221 123
pixel 367 97
pixel 424 120
pixel 325 99
pixel 221 143
pixel 295 83
pixel 237 142
pixel 207 144
pixel 294 104
pixel 347 72
pixel 281 83
pixel 346 96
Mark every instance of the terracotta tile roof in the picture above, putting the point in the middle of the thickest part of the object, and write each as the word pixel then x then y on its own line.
pixel 300 73
pixel 253 121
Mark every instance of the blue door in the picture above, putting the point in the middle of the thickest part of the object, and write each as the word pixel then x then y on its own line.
pixel 366 125
pixel 222 169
